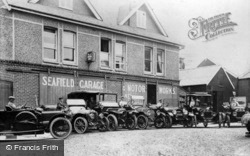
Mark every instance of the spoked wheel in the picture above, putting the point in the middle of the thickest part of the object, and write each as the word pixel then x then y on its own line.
pixel 80 125
pixel 159 122
pixel 103 124
pixel 131 122
pixel 60 128
pixel 25 121
pixel 113 123
pixel 168 121
pixel 142 122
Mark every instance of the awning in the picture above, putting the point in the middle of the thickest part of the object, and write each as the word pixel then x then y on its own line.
pixel 199 94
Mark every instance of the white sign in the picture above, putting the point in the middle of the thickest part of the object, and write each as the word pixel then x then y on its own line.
pixel 88 84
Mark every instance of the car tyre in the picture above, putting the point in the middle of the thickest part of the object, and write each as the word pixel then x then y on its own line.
pixel 131 122
pixel 58 125
pixel 168 121
pixel 80 125
pixel 205 123
pixel 190 122
pixel 142 122
pixel 228 120
pixel 113 122
pixel 103 124
pixel 220 120
pixel 248 126
pixel 159 122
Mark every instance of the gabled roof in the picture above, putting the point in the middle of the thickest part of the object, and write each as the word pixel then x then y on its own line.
pixel 133 11
pixel 198 76
pixel 109 16
pixel 201 75
pixel 87 2
pixel 206 62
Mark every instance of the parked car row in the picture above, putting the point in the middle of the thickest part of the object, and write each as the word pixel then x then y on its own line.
pixel 108 115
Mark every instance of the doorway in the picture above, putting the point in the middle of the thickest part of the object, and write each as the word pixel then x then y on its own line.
pixel 151 93
pixel 6 90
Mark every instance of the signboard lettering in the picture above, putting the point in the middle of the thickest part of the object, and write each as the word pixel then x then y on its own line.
pixel 57 82
pixel 91 84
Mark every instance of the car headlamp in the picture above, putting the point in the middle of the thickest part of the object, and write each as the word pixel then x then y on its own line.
pixel 174 112
pixel 92 116
pixel 185 112
pixel 148 113
pixel 101 115
pixel 158 112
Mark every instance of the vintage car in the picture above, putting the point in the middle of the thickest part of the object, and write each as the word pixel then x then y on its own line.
pixel 182 116
pixel 82 118
pixel 106 103
pixel 27 120
pixel 235 113
pixel 154 113
pixel 246 121
pixel 202 110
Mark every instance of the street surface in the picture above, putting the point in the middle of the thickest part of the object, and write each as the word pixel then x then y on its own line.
pixel 161 142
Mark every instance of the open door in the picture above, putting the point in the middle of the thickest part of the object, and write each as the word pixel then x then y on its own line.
pixel 151 94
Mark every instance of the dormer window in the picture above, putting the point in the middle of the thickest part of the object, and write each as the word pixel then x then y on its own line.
pixel 66 4
pixel 141 19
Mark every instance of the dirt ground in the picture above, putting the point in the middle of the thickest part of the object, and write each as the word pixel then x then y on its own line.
pixel 161 142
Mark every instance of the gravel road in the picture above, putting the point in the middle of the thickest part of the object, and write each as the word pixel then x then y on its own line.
pixel 161 142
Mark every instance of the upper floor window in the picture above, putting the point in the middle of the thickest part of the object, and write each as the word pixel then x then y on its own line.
pixel 69 47
pixel 66 4
pixel 120 55
pixel 148 60
pixel 50 45
pixel 105 52
pixel 160 61
pixel 141 19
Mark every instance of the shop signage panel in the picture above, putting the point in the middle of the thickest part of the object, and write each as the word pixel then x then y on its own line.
pixel 134 88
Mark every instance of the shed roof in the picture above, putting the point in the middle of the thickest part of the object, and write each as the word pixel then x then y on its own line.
pixel 198 76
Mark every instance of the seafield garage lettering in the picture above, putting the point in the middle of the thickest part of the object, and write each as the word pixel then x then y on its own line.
pixel 68 82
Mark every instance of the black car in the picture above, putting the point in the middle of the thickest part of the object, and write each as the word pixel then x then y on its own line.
pixel 154 114
pixel 83 118
pixel 35 121
pixel 246 121
pixel 106 104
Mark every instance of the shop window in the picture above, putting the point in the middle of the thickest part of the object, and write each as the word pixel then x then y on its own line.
pixel 66 4
pixel 50 45
pixel 120 55
pixel 105 52
pixel 148 60
pixel 160 61
pixel 141 19
pixel 69 47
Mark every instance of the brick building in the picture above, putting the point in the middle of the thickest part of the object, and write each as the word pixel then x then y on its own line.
pixel 50 48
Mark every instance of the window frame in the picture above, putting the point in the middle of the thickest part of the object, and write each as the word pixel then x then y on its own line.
pixel 151 60
pixel 74 48
pixel 70 7
pixel 162 62
pixel 124 56
pixel 140 18
pixel 109 53
pixel 48 60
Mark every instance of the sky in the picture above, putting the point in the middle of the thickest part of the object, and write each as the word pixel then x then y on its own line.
pixel 231 51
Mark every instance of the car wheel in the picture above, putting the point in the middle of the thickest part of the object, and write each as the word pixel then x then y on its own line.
pixel 159 122
pixel 190 122
pixel 25 120
pixel 228 120
pixel 103 124
pixel 168 121
pixel 80 125
pixel 60 128
pixel 113 123
pixel 142 122
pixel 131 122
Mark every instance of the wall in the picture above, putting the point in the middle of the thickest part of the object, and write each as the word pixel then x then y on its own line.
pixel 244 88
